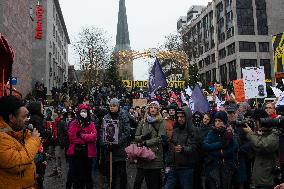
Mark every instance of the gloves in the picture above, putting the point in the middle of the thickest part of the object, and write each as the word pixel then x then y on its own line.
pixel 146 137
pixel 227 138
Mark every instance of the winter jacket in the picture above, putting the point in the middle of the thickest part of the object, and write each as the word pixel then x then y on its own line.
pixel 17 167
pixel 265 147
pixel 187 137
pixel 88 136
pixel 118 153
pixel 157 130
pixel 217 152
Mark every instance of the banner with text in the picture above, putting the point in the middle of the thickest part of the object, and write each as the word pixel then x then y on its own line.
pixel 278 52
pixel 144 84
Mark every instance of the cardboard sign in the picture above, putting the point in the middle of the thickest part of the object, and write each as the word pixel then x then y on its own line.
pixel 254 80
pixel 110 132
pixel 139 102
pixel 239 90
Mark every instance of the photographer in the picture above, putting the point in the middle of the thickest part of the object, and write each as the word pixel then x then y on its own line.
pixel 265 144
pixel 243 173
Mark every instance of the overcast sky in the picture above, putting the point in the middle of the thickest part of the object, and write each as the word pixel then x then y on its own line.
pixel 148 21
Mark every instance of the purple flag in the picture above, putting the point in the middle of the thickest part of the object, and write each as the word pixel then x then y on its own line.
pixel 201 104
pixel 157 79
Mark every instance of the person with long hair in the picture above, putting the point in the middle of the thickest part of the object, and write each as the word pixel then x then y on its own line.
pixel 82 149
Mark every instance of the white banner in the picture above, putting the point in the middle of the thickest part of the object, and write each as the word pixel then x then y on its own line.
pixel 254 80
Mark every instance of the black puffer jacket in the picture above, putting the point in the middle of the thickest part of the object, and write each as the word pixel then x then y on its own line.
pixel 187 137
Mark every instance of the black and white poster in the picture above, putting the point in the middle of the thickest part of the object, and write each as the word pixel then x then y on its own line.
pixel 110 132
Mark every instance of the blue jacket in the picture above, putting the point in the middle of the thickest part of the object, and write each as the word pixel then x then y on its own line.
pixel 217 152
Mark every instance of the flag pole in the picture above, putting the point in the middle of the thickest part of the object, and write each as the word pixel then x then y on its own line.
pixel 110 168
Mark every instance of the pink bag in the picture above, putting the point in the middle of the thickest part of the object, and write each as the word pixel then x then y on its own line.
pixel 135 152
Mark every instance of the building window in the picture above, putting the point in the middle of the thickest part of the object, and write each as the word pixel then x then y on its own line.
pixel 261 17
pixel 264 47
pixel 247 46
pixel 231 49
pixel 200 64
pixel 53 48
pixel 230 32
pixel 232 70
pixel 223 74
pixel 207 60
pixel 267 67
pixel 248 63
pixel 245 19
pixel 213 60
pixel 202 80
pixel 219 9
pixel 222 53
pixel 214 75
pixel 208 77
pixel 221 37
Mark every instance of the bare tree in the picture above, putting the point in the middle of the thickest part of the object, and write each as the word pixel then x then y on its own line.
pixel 92 47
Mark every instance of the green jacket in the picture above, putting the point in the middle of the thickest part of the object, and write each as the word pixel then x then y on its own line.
pixel 155 143
pixel 265 147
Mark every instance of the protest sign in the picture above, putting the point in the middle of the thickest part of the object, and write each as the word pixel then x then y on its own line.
pixel 110 131
pixel 139 102
pixel 254 82
pixel 239 90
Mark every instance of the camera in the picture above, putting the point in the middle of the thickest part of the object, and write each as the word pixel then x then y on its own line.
pixel 245 122
pixel 272 123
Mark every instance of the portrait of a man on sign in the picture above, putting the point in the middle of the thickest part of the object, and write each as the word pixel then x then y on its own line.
pixel 110 133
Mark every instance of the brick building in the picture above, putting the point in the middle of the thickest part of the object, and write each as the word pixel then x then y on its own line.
pixel 16 26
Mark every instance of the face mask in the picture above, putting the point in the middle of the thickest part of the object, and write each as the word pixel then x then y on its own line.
pixel 83 114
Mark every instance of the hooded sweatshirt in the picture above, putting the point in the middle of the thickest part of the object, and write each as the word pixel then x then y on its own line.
pixel 186 136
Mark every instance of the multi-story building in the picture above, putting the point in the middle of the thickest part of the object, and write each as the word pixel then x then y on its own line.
pixel 232 34
pixel 16 26
pixel 50 45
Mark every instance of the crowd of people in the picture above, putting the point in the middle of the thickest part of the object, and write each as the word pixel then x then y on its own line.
pixel 234 147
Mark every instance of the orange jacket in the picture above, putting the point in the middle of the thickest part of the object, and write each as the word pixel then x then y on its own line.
pixel 17 167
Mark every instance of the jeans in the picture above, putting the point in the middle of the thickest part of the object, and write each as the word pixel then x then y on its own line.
pixel 119 175
pixel 183 176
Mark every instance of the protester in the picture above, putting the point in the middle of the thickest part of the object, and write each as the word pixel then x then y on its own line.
pixel 265 143
pixel 118 152
pixel 280 186
pixel 222 148
pixel 149 133
pixel 18 146
pixel 182 156
pixel 82 149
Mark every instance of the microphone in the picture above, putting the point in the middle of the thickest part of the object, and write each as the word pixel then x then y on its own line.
pixel 30 127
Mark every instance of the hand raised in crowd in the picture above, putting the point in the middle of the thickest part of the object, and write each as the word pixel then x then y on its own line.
pixel 280 186
pixel 36 134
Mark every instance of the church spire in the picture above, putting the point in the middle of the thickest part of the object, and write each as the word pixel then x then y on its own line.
pixel 122 35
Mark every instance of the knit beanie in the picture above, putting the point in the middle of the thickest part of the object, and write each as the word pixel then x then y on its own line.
pixel 114 101
pixel 222 116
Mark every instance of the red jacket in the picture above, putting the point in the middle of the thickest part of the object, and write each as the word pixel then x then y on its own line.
pixel 89 137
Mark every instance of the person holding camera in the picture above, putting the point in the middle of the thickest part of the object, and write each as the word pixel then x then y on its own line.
pixel 265 143
pixel 221 147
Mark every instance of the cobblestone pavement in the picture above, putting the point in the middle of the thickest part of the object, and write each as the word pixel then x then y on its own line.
pixel 58 182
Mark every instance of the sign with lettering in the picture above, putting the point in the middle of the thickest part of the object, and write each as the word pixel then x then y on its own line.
pixel 254 82
pixel 239 90
pixel 144 84
pixel 39 12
